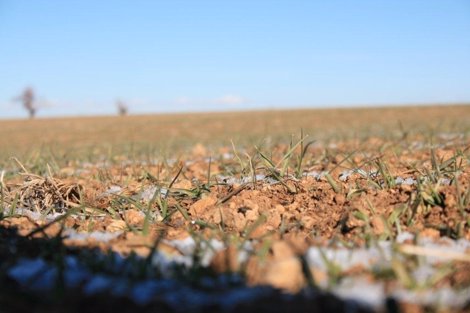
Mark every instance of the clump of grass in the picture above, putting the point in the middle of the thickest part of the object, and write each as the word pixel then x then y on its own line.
pixel 332 183
pixel 45 193
pixel 282 163
pixel 388 179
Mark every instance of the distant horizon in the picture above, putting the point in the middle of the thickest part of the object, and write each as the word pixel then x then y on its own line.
pixel 183 56
pixel 242 110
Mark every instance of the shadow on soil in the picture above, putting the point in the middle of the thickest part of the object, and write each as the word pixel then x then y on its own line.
pixel 18 296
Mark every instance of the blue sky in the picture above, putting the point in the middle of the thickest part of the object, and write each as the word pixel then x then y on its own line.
pixel 173 55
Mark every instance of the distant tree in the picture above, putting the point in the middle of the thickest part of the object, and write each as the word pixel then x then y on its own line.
pixel 28 100
pixel 122 108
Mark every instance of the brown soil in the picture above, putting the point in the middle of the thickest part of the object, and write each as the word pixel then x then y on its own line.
pixel 287 214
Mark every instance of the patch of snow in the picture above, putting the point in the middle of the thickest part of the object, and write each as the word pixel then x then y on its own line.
pixel 417 145
pixel 171 162
pixel 149 193
pixel 423 273
pixel 36 216
pixel 231 180
pixel 209 249
pixel 344 176
pixel 112 190
pixel 185 246
pixel 442 296
pixel 188 247
pixel 96 235
pixel 404 236
pixel 407 181
pixel 445 181
pixel 450 136
pixel 228 156
pixel 245 252
pixel 365 292
pixel 167 263
pixel 345 258
pixel 315 174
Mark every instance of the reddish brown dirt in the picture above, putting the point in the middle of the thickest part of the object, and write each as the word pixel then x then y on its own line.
pixel 287 215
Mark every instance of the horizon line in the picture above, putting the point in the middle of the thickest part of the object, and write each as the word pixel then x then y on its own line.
pixel 257 109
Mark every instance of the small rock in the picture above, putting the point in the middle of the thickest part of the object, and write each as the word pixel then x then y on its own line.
pixel 183 184
pixel 339 199
pixel 282 250
pixel 280 208
pixel 252 215
pixel 226 260
pixel 200 207
pixel 134 217
pixel 378 225
pixel 260 231
pixel 116 225
pixel 286 274
pixel 281 269
pixel 274 218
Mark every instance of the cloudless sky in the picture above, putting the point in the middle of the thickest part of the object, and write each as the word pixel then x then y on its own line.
pixel 174 55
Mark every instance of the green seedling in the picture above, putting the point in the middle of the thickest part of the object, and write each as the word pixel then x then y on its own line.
pixel 389 180
pixel 303 153
pixel 276 174
pixel 332 183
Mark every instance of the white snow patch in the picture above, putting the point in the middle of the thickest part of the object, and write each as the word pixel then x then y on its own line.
pixel 150 192
pixel 36 216
pixel 365 292
pixel 96 235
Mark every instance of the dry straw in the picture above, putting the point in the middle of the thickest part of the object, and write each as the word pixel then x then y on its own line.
pixel 45 193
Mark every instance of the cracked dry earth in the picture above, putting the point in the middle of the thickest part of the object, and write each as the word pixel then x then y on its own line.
pixel 375 225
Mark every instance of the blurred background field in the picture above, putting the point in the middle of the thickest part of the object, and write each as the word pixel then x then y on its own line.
pixel 172 134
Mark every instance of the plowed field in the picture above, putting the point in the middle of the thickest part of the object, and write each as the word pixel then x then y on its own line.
pixel 362 210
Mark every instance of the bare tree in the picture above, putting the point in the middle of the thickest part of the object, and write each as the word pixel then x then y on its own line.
pixel 122 108
pixel 28 100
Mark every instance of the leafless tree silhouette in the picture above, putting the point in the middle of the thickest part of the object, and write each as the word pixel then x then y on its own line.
pixel 122 108
pixel 28 100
